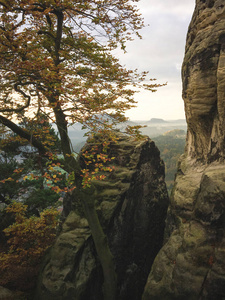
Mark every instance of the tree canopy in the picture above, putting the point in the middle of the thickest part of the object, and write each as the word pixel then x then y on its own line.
pixel 55 59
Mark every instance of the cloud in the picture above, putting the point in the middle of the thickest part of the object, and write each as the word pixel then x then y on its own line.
pixel 160 52
pixel 177 7
pixel 165 36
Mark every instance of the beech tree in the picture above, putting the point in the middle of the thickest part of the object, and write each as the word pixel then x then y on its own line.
pixel 55 58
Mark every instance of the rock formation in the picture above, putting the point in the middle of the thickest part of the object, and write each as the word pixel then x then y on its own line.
pixel 132 205
pixel 191 264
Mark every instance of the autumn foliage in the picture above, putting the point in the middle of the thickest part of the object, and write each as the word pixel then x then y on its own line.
pixel 28 240
pixel 56 59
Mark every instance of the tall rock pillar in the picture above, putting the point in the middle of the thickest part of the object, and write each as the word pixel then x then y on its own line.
pixel 132 204
pixel 191 264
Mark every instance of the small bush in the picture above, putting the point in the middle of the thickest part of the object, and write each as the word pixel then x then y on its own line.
pixel 28 240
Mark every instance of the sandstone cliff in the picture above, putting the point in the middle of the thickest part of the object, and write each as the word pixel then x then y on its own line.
pixel 132 205
pixel 191 264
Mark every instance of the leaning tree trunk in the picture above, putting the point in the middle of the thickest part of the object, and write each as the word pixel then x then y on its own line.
pixel 101 244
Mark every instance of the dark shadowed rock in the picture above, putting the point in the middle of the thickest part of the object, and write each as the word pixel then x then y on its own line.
pixel 6 294
pixel 191 264
pixel 132 204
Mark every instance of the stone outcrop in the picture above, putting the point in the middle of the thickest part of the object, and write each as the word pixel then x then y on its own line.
pixel 132 204
pixel 191 264
pixel 204 81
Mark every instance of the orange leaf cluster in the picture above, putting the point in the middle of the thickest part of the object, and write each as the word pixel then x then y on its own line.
pixel 28 240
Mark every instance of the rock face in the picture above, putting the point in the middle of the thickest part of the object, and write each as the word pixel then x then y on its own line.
pixel 132 205
pixel 204 82
pixel 191 264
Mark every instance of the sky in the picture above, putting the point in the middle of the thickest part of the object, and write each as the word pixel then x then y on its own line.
pixel 161 52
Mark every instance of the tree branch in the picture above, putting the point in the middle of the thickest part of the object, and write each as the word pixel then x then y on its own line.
pixel 24 134
pixel 49 20
pixel 17 110
pixel 46 33
pixel 58 39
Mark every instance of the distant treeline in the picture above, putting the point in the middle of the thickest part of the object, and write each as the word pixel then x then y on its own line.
pixel 171 146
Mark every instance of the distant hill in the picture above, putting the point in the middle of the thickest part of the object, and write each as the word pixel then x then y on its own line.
pixel 154 127
pixel 177 133
pixel 156 120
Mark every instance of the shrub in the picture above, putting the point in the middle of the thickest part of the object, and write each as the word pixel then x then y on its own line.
pixel 28 240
